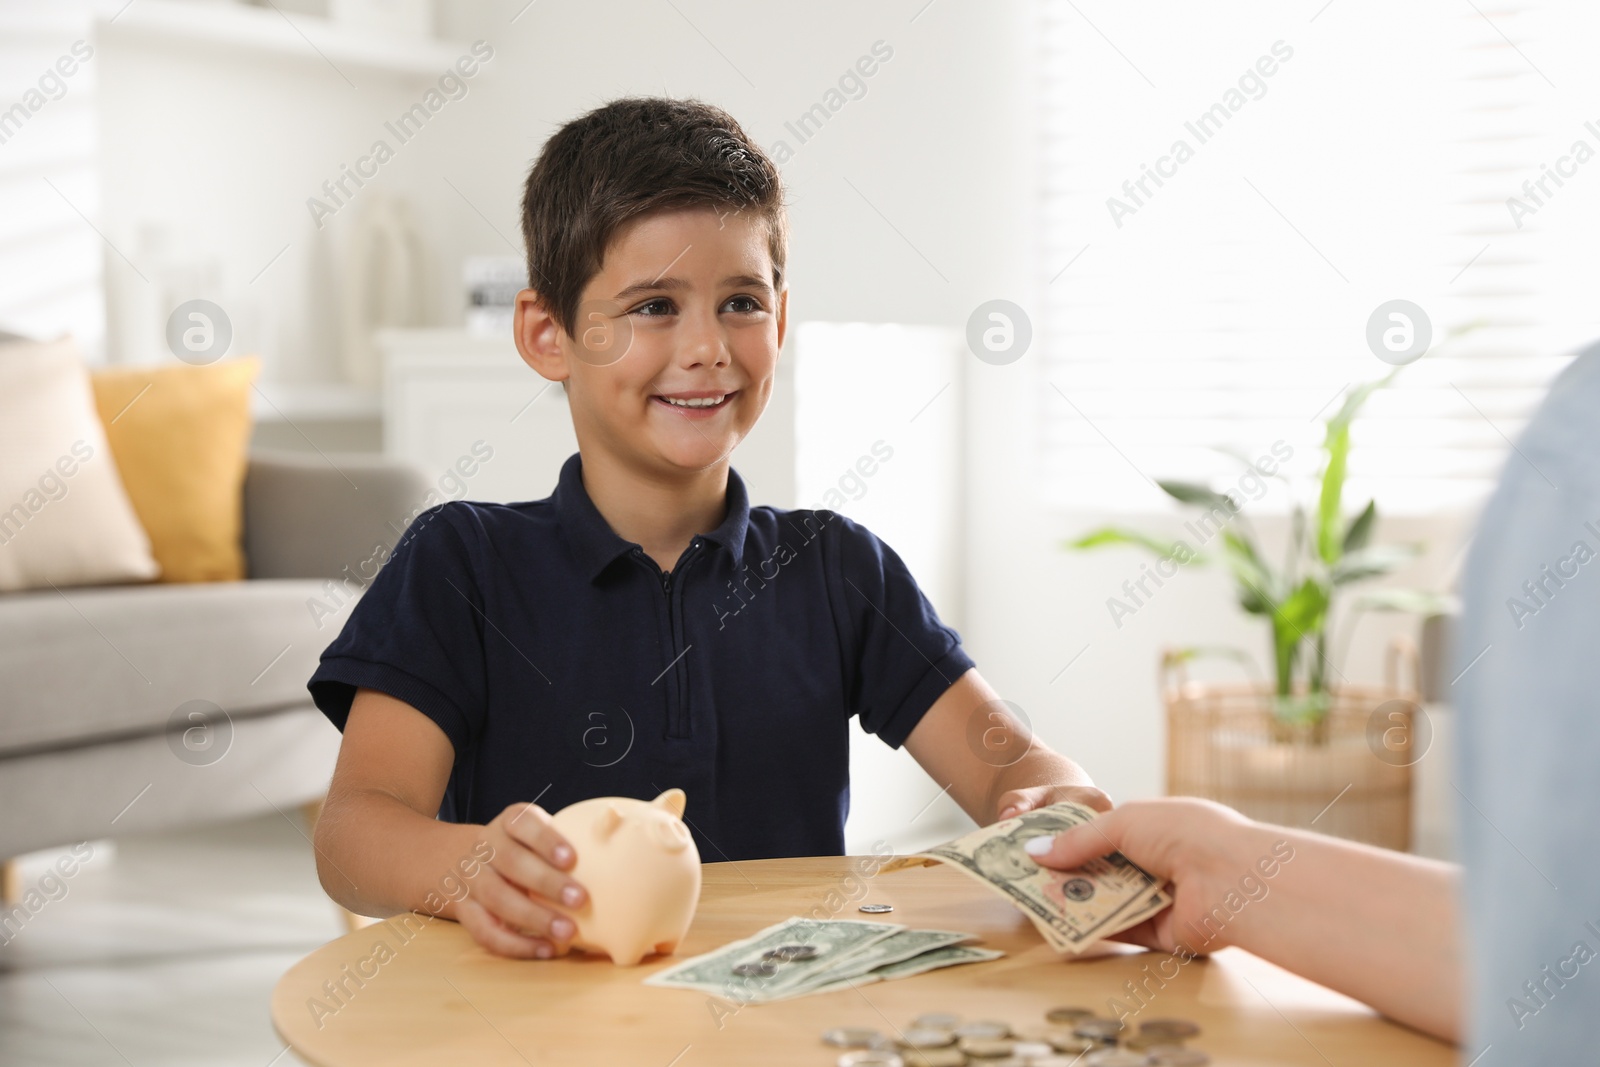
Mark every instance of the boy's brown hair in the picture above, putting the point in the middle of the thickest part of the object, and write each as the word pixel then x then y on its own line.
pixel 624 160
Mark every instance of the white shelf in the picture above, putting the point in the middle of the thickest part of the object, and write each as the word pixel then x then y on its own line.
pixel 280 402
pixel 266 31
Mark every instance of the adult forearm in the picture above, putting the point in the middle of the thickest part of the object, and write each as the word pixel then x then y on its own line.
pixel 376 856
pixel 1377 925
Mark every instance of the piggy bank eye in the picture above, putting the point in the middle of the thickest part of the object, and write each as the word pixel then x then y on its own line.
pixel 672 835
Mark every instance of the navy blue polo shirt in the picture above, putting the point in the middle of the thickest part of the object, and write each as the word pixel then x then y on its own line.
pixel 563 664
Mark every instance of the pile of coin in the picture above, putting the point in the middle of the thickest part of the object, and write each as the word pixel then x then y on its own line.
pixel 1070 1036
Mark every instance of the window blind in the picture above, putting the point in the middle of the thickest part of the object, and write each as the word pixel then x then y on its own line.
pixel 1337 157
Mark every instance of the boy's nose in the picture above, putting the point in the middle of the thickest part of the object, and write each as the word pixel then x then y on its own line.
pixel 703 346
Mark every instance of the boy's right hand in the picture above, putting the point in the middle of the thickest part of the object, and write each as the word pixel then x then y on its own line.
pixel 507 907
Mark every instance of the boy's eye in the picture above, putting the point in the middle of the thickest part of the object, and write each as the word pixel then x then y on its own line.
pixel 744 304
pixel 661 306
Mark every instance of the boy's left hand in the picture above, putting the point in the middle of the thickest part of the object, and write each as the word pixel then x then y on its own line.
pixel 1014 802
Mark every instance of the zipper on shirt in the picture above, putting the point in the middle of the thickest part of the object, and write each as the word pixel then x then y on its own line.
pixel 677 675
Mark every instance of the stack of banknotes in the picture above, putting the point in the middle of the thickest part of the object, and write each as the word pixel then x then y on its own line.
pixel 800 956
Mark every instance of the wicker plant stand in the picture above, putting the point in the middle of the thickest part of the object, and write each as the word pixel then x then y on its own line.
pixel 1348 775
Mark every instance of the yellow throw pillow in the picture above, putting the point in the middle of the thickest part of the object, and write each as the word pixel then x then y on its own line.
pixel 181 436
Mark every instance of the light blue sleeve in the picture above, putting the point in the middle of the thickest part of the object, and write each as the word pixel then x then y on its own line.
pixel 1527 779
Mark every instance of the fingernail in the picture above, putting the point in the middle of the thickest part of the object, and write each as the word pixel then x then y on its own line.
pixel 571 896
pixel 563 928
pixel 543 952
pixel 563 854
pixel 1008 813
pixel 1039 846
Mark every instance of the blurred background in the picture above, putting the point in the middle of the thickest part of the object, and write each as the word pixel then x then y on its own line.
pixel 1050 254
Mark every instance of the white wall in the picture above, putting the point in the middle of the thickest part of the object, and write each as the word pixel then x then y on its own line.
pixel 912 205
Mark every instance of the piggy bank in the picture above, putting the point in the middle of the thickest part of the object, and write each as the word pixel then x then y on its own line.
pixel 641 870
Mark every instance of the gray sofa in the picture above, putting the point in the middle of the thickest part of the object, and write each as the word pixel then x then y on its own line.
pixel 91 678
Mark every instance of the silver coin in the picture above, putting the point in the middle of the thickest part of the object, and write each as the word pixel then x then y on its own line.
pixel 1030 1050
pixel 1068 1016
pixel 851 1037
pixel 985 1029
pixel 1116 1057
pixel 934 1057
pixel 871 1057
pixel 936 1020
pixel 927 1037
pixel 756 969
pixel 986 1048
pixel 1177 1056
pixel 1067 1042
pixel 1176 1029
pixel 1098 1029
pixel 876 909
pixel 790 952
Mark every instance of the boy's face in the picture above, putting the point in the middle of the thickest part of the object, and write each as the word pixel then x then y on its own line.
pixel 677 341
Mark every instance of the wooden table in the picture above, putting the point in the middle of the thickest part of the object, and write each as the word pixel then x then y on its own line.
pixel 436 998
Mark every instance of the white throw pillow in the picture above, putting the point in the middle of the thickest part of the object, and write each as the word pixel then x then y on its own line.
pixel 64 516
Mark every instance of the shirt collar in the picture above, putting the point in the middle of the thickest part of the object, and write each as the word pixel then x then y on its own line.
pixel 596 546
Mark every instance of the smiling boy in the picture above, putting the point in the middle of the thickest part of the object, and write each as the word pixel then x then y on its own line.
pixel 512 659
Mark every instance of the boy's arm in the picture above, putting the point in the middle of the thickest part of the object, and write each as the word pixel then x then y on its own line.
pixel 993 766
pixel 381 850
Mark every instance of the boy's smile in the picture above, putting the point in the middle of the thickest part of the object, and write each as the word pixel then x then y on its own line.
pixel 676 342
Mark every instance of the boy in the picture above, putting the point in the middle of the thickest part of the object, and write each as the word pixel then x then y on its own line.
pixel 644 627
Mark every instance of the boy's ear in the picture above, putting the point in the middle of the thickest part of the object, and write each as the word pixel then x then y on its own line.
pixel 538 337
pixel 783 315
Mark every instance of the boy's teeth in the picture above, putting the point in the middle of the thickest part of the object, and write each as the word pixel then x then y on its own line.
pixel 697 402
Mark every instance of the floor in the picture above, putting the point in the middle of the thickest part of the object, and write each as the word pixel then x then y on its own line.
pixel 163 951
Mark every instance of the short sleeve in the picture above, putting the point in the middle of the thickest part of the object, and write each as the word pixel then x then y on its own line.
pixel 900 658
pixel 415 634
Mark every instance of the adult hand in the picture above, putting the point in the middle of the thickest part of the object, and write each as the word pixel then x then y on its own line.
pixel 1197 845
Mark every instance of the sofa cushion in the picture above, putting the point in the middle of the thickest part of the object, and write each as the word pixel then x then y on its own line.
pixel 83 665
pixel 181 435
pixel 65 518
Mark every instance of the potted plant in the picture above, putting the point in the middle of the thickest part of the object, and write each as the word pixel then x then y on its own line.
pixel 1274 750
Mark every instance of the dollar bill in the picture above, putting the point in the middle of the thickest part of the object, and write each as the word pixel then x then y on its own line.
pixel 1071 909
pixel 847 951
pixel 929 960
pixel 899 946
pixel 714 972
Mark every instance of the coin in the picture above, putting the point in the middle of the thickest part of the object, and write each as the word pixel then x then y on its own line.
pixel 934 1057
pixel 1116 1057
pixel 790 952
pixel 1142 1042
pixel 986 1048
pixel 1175 1029
pixel 937 1020
pixel 988 1029
pixel 1068 1016
pixel 758 969
pixel 1098 1029
pixel 1030 1050
pixel 1054 1060
pixel 1063 1041
pixel 1177 1056
pixel 870 1058
pixel 876 909
pixel 852 1037
pixel 927 1037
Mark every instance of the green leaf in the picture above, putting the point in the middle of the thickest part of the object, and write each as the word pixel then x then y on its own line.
pixel 1257 584
pixel 1411 601
pixel 1371 562
pixel 1359 532
pixel 1192 493
pixel 1118 535
pixel 1329 506
pixel 1303 611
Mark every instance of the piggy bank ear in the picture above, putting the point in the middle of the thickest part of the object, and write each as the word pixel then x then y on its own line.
pixel 673 800
pixel 608 822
